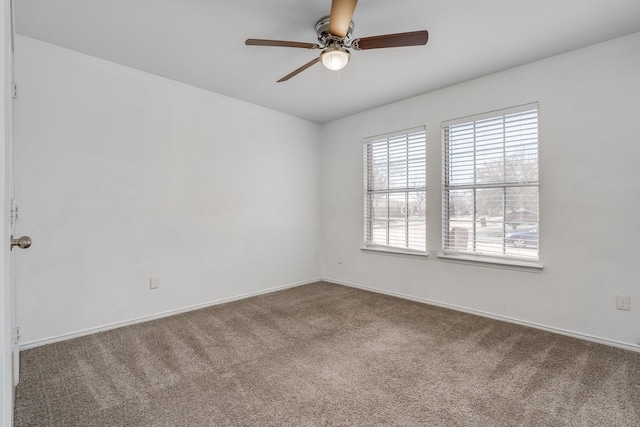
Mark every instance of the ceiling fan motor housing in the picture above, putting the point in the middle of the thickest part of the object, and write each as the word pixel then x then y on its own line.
pixel 328 39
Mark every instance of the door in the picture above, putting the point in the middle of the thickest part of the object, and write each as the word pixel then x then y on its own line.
pixel 16 242
pixel 15 353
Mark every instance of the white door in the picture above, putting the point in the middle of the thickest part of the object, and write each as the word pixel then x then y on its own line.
pixel 15 353
pixel 17 243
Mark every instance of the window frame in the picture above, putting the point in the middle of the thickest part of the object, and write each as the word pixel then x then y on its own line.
pixel 474 256
pixel 414 136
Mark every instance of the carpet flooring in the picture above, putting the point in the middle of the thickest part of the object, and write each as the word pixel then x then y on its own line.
pixel 324 354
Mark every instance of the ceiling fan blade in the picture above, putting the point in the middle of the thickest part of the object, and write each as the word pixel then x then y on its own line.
pixel 280 43
pixel 299 70
pixel 413 38
pixel 340 18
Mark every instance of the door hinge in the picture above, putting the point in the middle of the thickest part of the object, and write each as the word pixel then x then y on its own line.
pixel 16 335
pixel 14 90
pixel 14 213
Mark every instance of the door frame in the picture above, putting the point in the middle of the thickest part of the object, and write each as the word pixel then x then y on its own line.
pixel 6 304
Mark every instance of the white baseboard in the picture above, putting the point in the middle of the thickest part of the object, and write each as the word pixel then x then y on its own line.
pixel 586 337
pixel 84 332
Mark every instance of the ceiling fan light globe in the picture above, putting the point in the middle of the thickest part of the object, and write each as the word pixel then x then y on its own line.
pixel 335 58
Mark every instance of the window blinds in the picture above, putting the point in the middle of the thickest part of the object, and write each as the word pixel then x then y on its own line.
pixel 395 190
pixel 490 200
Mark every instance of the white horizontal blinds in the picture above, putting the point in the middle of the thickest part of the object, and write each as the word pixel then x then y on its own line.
pixel 491 184
pixel 395 190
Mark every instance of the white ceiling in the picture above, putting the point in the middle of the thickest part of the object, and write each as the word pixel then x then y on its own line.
pixel 201 43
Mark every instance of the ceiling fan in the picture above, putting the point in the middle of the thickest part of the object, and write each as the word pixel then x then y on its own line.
pixel 334 34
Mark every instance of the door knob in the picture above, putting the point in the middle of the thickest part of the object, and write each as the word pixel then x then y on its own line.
pixel 23 242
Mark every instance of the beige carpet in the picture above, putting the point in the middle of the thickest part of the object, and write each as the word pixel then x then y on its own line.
pixel 324 354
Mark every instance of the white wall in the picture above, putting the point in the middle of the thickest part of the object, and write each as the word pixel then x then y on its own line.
pixel 589 196
pixel 123 175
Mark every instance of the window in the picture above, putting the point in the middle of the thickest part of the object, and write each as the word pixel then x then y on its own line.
pixel 395 191
pixel 490 200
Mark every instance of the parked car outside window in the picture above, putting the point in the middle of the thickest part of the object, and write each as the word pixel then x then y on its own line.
pixel 521 239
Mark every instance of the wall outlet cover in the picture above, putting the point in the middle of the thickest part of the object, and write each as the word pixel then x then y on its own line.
pixel 623 302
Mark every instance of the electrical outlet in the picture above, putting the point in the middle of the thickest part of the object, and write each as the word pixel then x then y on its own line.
pixel 153 283
pixel 623 302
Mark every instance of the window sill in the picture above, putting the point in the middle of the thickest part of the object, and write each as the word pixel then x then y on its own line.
pixel 520 265
pixel 394 251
